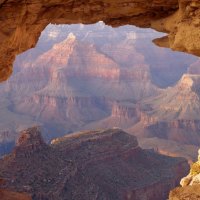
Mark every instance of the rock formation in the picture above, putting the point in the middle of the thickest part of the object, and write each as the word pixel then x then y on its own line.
pixel 170 148
pixel 78 81
pixel 190 184
pixel 194 176
pixel 173 114
pixel 30 141
pixel 10 195
pixel 61 88
pixel 20 30
pixel 123 115
pixel 105 164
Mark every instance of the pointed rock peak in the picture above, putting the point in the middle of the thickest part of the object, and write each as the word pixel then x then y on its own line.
pixel 30 141
pixel 66 43
pixel 31 136
pixel 190 80
pixel 187 80
pixel 71 36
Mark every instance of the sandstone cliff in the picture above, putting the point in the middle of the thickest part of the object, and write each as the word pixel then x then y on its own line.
pixel 77 83
pixel 174 114
pixel 20 30
pixel 62 87
pixel 123 115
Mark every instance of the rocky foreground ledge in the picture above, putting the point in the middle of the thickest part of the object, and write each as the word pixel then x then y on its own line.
pixel 10 195
pixel 190 184
pixel 90 165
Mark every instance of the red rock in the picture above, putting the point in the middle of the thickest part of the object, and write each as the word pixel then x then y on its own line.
pixel 107 163
pixel 173 114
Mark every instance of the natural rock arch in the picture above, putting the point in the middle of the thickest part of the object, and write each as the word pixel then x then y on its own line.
pixel 22 21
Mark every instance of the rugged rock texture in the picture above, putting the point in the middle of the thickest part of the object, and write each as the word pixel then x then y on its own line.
pixel 105 164
pixel 189 192
pixel 20 30
pixel 78 81
pixel 125 111
pixel 10 195
pixel 85 62
pixel 174 114
pixel 60 86
pixel 190 184
pixel 30 141
pixel 123 115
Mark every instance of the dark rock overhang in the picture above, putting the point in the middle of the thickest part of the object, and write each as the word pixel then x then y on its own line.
pixel 22 21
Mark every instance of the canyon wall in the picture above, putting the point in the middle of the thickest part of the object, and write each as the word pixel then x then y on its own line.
pixel 78 78
pixel 174 114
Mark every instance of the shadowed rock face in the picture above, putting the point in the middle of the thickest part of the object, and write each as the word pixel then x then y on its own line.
pixel 75 83
pixel 105 164
pixel 21 22
pixel 10 195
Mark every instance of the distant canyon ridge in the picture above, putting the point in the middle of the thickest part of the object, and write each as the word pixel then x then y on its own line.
pixel 85 77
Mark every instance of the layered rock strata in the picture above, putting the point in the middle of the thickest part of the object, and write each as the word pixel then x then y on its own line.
pixel 174 114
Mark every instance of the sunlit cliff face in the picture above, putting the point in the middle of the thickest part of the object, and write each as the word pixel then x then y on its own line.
pixel 21 23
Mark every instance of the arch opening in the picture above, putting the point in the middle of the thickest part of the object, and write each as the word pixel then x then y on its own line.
pixel 82 77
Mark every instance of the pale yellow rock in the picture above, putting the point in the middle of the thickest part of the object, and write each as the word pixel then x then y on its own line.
pixel 186 180
pixel 195 180
pixel 199 156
